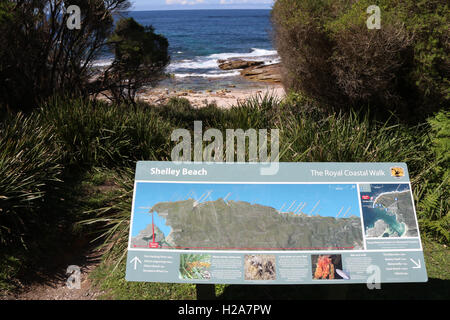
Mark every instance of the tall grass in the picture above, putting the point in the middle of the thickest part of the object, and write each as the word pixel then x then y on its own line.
pixel 96 133
pixel 349 137
pixel 30 166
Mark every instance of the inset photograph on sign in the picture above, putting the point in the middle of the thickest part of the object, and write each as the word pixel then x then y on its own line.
pixel 388 211
pixel 328 267
pixel 194 266
pixel 203 216
pixel 260 267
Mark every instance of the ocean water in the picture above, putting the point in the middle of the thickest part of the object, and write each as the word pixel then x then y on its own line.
pixel 371 215
pixel 198 38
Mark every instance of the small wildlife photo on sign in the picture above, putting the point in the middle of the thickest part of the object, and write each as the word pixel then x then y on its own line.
pixel 397 172
pixel 260 267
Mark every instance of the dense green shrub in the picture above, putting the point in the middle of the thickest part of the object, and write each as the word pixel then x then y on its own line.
pixel 342 137
pixel 41 57
pixel 141 57
pixel 330 55
pixel 304 47
pixel 29 169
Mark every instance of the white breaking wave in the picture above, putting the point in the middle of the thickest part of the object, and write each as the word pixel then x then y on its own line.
pixel 193 64
pixel 103 62
pixel 249 55
pixel 210 62
pixel 208 75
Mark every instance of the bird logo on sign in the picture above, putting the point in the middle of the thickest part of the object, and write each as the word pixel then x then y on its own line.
pixel 397 172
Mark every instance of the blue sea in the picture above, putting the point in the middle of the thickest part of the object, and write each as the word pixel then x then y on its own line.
pixel 198 38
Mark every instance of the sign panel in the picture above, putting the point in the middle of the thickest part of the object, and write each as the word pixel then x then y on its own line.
pixel 226 223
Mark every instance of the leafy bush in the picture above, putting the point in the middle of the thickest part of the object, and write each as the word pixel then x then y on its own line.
pixel 432 187
pixel 304 47
pixel 141 57
pixel 330 55
pixel 41 57
pixel 440 125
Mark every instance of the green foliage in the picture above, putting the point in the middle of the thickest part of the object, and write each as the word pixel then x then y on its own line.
pixel 135 44
pixel 9 266
pixel 141 57
pixel 5 12
pixel 331 56
pixel 349 138
pixel 30 166
pixel 194 266
pixel 433 186
pixel 257 112
pixel 96 133
pixel 440 126
pixel 41 57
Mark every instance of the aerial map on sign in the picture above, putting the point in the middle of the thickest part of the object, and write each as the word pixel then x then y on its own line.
pixel 246 216
pixel 388 210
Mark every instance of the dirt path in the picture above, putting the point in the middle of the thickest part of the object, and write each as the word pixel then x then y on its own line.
pixel 48 279
pixel 48 285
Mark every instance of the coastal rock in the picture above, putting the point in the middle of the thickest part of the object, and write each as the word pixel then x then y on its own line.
pixel 264 73
pixel 233 64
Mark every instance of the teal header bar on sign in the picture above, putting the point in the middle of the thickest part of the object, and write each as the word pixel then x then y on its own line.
pixel 274 223
pixel 272 172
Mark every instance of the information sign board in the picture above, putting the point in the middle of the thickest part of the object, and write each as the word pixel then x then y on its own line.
pixel 226 223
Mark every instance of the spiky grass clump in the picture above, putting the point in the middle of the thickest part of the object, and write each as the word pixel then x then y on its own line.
pixel 194 266
pixel 29 169
pixel 349 137
pixel 97 133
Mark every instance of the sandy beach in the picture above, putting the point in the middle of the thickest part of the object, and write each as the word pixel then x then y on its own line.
pixel 223 98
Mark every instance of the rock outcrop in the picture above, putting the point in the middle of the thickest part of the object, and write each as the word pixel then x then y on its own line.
pixel 266 73
pixel 232 64
pixel 253 70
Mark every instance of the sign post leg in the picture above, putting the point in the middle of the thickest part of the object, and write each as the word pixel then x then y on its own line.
pixel 206 291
